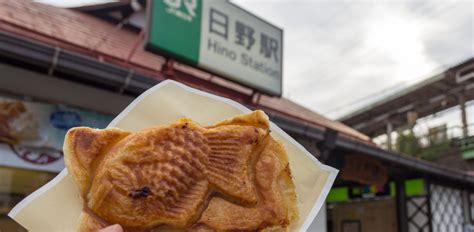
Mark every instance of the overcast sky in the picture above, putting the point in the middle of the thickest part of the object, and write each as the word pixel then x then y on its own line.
pixel 342 55
pixel 339 54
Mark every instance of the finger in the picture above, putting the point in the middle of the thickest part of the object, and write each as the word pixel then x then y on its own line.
pixel 112 228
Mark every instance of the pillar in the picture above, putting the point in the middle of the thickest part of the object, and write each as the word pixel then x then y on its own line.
pixel 389 135
pixel 401 206
pixel 462 104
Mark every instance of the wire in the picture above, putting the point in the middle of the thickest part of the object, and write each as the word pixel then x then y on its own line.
pixel 433 10
pixel 116 28
pixel 387 91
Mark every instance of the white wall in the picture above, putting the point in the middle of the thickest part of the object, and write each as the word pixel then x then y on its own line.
pixel 22 82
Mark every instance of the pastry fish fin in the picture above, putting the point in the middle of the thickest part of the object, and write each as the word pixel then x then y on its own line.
pixel 232 151
pixel 82 145
pixel 255 118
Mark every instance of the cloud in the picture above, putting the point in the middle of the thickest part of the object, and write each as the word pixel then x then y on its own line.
pixel 339 52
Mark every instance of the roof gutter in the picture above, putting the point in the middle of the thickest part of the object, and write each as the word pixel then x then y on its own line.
pixel 81 68
pixel 91 71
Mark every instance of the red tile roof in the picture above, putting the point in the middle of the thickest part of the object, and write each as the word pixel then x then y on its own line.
pixel 297 111
pixel 76 31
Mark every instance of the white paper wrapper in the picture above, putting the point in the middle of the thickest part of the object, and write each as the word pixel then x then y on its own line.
pixel 56 206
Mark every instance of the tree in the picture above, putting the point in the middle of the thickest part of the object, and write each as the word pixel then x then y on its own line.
pixel 408 143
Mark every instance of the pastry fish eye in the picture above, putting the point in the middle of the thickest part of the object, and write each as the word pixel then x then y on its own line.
pixel 141 192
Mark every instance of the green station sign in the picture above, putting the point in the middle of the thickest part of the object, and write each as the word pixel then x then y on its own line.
pixel 220 37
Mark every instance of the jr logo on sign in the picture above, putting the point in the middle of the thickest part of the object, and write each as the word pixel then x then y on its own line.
pixel 183 9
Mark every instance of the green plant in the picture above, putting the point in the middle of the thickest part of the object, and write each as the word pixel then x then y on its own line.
pixel 434 151
pixel 408 143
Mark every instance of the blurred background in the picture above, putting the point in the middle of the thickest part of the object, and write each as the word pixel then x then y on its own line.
pixel 381 90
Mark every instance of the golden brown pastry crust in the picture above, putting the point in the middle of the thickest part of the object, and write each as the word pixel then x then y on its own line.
pixel 82 146
pixel 277 197
pixel 230 176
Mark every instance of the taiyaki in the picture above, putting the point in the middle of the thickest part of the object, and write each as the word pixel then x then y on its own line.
pixel 183 176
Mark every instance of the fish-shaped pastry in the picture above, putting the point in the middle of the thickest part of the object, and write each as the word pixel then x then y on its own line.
pixel 230 176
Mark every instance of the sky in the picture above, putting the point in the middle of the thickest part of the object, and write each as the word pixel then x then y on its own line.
pixel 343 55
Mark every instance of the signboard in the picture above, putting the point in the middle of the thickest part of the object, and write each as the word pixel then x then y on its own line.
pixel 32 134
pixel 365 170
pixel 220 37
pixel 466 146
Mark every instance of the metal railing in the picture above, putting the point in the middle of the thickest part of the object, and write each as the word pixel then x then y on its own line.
pixel 433 144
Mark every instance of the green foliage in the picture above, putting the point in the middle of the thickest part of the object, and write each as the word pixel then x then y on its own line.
pixel 407 143
pixel 434 151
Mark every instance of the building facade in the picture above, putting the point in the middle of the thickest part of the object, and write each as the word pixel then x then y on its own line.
pixel 68 67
